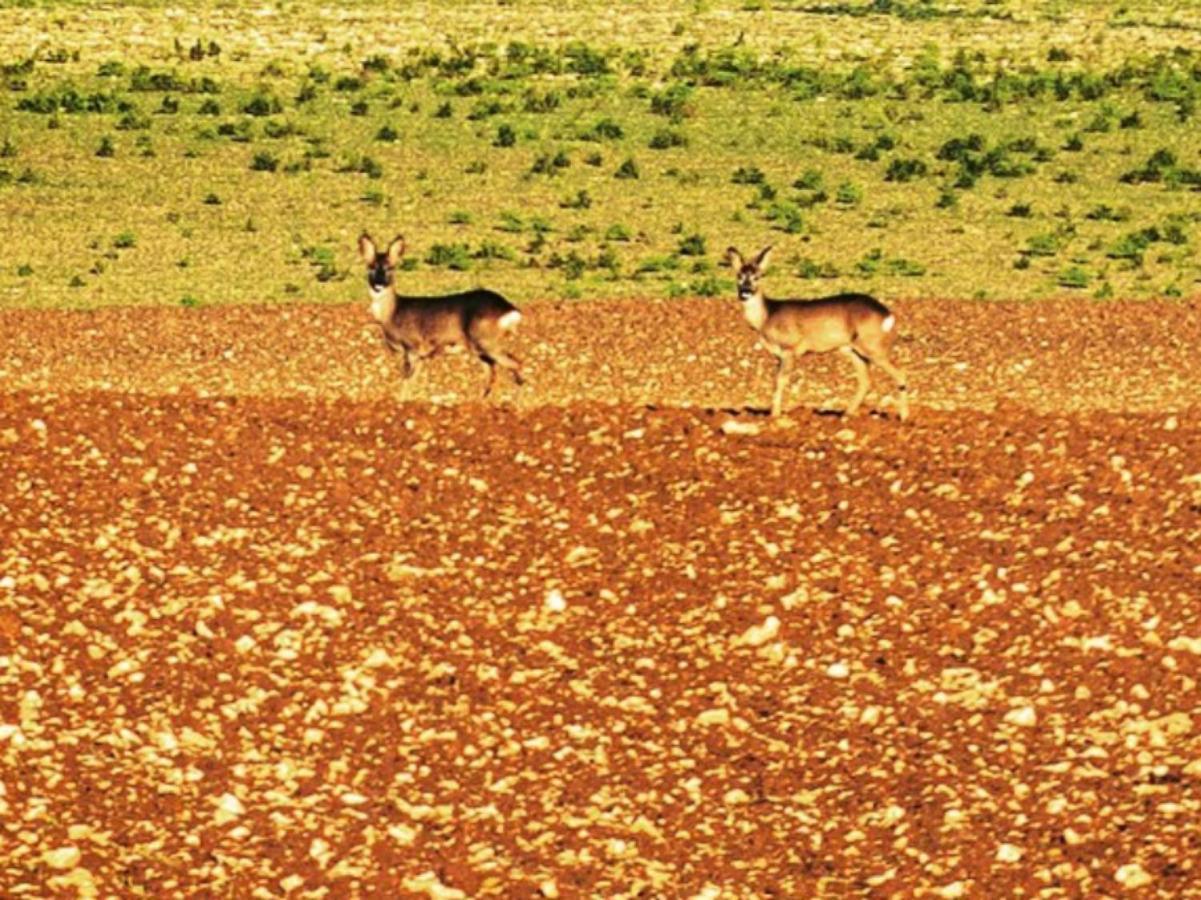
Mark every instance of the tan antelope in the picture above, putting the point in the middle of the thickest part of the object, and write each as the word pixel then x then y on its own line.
pixel 859 326
pixel 421 327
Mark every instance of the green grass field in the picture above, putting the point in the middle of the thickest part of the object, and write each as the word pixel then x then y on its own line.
pixel 230 152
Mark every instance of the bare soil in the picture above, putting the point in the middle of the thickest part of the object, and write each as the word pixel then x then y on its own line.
pixel 271 624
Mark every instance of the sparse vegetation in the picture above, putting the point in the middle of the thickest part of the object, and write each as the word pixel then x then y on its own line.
pixel 966 149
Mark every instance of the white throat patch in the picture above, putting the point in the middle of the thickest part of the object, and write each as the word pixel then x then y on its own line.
pixel 755 310
pixel 381 302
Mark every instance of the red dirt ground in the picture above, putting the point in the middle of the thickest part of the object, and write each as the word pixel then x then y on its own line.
pixel 266 630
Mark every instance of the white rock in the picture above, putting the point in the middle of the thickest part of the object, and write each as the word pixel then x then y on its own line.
pixel 838 670
pixel 62 857
pixel 733 426
pixel 1008 853
pixel 555 601
pixel 758 635
pixel 402 834
pixel 319 850
pixel 11 731
pixel 1132 875
pixel 1022 716
pixel 714 717
pixel 429 884
pixel 229 808
pixel 378 657
pixel 1185 644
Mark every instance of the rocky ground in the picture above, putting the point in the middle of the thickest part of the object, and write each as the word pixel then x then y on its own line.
pixel 272 624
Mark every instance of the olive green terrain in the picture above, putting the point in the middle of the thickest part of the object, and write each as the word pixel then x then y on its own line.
pixel 227 152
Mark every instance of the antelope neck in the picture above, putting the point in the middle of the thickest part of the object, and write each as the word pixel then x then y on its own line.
pixel 383 302
pixel 754 308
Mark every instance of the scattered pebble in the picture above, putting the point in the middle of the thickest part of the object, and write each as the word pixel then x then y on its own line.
pixel 1132 875
pixel 62 857
pixel 1022 716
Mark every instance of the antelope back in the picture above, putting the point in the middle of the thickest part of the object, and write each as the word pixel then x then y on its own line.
pixel 472 317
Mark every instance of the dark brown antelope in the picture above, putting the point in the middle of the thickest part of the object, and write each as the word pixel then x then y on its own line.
pixel 421 327
pixel 859 326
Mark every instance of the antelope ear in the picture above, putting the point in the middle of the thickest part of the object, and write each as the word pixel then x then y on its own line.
pixel 734 258
pixel 761 259
pixel 366 249
pixel 396 250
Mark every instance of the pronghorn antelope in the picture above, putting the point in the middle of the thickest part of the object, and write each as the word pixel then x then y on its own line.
pixel 859 326
pixel 420 327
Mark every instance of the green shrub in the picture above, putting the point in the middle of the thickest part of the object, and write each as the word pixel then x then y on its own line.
pixel 848 194
pixel 264 162
pixel 786 216
pixel 510 222
pixel 674 102
pixel 323 260
pixel 580 200
pixel 1043 245
pixel 902 170
pixel 1074 277
pixel 666 139
pixel 748 175
pixel 494 250
pixel 550 165
pixel 452 256
pixel 262 105
pixel 604 130
pixel 809 268
pixel 505 136
pixel 1106 213
pixel 810 180
pixel 627 170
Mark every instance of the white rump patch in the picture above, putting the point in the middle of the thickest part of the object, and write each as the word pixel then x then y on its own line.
pixel 889 321
pixel 509 319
